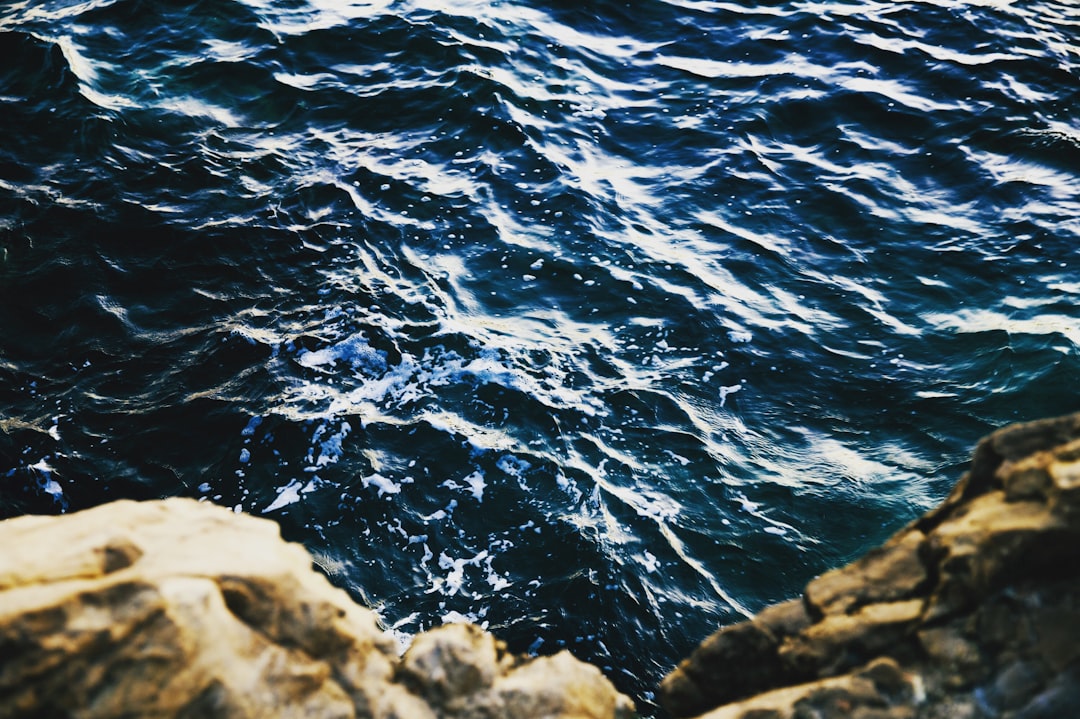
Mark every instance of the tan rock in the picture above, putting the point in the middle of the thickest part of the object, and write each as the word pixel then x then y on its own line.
pixel 784 619
pixel 455 661
pixel 555 686
pixel 1025 480
pixel 182 609
pixel 886 574
pixel 468 673
pixel 880 690
pixel 841 641
pixel 987 541
pixel 1066 478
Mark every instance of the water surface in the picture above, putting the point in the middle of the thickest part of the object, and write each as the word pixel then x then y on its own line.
pixel 598 324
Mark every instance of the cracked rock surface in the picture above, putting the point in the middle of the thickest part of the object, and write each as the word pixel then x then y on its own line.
pixel 970 612
pixel 180 609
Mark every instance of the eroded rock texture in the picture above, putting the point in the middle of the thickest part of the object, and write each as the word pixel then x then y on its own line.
pixel 181 609
pixel 971 611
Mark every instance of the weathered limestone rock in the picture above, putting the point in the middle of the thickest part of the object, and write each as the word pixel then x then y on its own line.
pixel 181 609
pixel 971 611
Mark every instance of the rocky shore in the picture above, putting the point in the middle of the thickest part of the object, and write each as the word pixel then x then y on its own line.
pixel 971 611
pixel 175 608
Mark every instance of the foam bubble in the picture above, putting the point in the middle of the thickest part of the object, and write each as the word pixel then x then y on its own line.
pixel 290 494
pixel 384 485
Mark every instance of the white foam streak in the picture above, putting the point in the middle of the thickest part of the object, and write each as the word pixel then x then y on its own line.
pixel 684 555
pixel 986 320
pixel 901 46
pixel 289 494
pixel 711 6
pixel 606 177
pixel 194 107
pixel 896 91
pixel 86 72
pixel 796 66
pixel 1061 184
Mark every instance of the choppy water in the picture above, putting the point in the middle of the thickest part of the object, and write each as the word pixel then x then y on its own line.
pixel 597 323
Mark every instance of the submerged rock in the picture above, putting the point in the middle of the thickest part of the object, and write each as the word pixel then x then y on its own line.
pixel 180 609
pixel 971 611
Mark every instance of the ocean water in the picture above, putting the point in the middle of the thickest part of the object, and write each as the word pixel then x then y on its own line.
pixel 600 324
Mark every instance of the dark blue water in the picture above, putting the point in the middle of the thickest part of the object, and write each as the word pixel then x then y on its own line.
pixel 599 324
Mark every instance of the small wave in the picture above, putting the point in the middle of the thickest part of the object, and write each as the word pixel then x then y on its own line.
pixel 598 327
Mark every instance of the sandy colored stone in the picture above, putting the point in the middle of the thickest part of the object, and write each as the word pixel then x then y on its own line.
pixel 784 619
pixel 1065 476
pixel 555 686
pixel 1025 480
pixel 466 672
pixel 987 542
pixel 886 574
pixel 841 641
pixel 451 662
pixel 183 609
pixel 880 690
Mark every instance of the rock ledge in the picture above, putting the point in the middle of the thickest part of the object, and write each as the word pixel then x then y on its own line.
pixel 181 609
pixel 971 611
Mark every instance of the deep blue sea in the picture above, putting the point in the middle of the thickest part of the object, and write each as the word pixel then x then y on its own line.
pixel 598 323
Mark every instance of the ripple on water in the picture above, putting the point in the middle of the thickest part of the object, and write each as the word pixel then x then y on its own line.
pixel 596 327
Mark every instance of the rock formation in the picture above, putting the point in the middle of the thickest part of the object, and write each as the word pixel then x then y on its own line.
pixel 181 609
pixel 970 611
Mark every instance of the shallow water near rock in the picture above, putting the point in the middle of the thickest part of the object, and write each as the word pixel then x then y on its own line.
pixel 599 325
